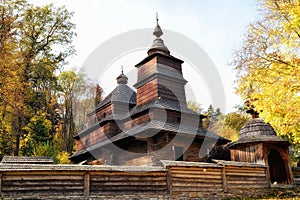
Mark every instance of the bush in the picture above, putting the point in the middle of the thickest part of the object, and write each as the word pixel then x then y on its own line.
pixel 63 158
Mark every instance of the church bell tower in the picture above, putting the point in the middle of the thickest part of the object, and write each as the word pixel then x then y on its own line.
pixel 160 75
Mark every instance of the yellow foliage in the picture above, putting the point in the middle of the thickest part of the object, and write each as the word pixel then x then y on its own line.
pixel 268 66
pixel 63 158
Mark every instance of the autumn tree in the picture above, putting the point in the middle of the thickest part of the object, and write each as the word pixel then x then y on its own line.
pixel 229 125
pixel 45 43
pixel 194 106
pixel 11 85
pixel 268 66
pixel 34 43
pixel 77 97
pixel 98 97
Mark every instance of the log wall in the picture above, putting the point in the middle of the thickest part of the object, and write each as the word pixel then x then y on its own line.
pixel 244 178
pixel 225 179
pixel 53 181
pixel 42 183
pixel 196 179
pixel 296 172
pixel 173 180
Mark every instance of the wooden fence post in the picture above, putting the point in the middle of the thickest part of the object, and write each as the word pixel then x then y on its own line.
pixel 169 181
pixel 224 182
pixel 1 184
pixel 86 185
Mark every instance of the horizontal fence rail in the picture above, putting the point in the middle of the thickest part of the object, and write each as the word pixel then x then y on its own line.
pixel 296 172
pixel 171 180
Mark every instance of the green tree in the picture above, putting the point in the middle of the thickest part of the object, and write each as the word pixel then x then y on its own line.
pixel 235 120
pixel 229 125
pixel 212 117
pixel 46 149
pixel 37 132
pixel 195 106
pixel 268 66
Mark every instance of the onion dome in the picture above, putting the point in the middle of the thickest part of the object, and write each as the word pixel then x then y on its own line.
pixel 158 44
pixel 122 78
pixel 122 93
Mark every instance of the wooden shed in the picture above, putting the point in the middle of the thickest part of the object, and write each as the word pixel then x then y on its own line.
pixel 259 144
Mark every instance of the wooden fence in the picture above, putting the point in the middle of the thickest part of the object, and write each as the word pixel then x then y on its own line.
pixel 215 180
pixel 296 172
pixel 171 180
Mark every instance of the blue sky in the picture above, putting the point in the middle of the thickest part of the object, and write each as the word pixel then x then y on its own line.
pixel 217 26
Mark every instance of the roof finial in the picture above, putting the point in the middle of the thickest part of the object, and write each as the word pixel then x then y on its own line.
pixel 122 69
pixel 157 30
pixel 158 43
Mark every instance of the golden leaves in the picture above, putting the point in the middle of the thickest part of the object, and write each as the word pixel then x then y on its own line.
pixel 269 65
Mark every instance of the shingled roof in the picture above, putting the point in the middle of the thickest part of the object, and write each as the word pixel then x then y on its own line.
pixel 160 104
pixel 122 93
pixel 256 130
pixel 26 160
pixel 154 126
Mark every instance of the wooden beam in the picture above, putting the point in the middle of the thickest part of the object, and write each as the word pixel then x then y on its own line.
pixel 0 184
pixel 169 182
pixel 86 185
pixel 224 182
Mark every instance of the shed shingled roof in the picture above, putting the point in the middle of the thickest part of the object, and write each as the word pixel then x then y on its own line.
pixel 256 130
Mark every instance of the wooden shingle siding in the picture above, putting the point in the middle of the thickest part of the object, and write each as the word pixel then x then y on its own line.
pixel 147 69
pixel 170 63
pixel 147 93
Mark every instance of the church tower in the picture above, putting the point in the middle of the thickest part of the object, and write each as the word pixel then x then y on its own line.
pixel 154 124
pixel 160 75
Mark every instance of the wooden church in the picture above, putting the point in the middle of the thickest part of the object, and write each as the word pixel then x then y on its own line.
pixel 149 125
pixel 154 123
